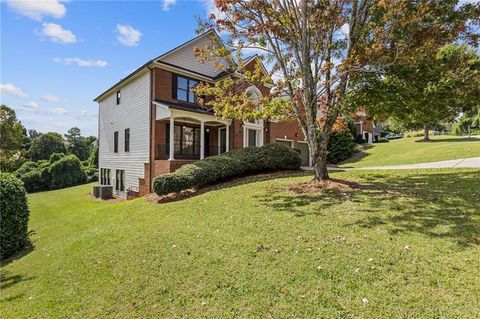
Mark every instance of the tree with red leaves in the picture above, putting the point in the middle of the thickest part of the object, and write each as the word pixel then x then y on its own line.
pixel 312 49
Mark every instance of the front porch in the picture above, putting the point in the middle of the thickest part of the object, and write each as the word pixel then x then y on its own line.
pixel 183 136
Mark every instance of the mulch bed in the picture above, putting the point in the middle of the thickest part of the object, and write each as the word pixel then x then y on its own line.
pixel 322 186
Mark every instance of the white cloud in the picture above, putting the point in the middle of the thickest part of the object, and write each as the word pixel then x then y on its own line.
pixel 56 111
pixel 37 9
pixel 9 88
pixel 128 35
pixel 50 98
pixel 167 4
pixel 81 62
pixel 57 33
pixel 31 105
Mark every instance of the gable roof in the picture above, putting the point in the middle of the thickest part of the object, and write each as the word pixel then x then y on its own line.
pixel 166 58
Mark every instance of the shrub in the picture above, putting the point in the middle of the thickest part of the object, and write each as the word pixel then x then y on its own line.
pixel 37 179
pixel 91 172
pixel 55 157
pixel 26 167
pixel 418 133
pixel 67 172
pixel 14 217
pixel 340 147
pixel 250 160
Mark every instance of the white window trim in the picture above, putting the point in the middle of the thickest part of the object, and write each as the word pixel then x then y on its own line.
pixel 259 138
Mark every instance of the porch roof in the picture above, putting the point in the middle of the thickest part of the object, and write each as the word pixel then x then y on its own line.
pixel 182 107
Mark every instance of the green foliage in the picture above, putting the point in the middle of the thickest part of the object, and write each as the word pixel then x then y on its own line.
pixel 58 172
pixel 340 147
pixel 11 130
pixel 45 145
pixel 78 144
pixel 91 172
pixel 55 157
pixel 246 161
pixel 13 137
pixel 419 93
pixel 93 157
pixel 14 217
pixel 66 172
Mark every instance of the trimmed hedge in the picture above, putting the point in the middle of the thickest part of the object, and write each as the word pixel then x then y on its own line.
pixel 340 147
pixel 246 161
pixel 14 216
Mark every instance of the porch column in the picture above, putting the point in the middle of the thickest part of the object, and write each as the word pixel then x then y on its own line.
pixel 202 140
pixel 227 137
pixel 171 146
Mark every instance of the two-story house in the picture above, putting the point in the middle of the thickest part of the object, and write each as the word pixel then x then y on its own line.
pixel 151 122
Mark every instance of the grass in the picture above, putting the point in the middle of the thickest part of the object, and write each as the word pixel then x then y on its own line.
pixel 409 151
pixel 402 245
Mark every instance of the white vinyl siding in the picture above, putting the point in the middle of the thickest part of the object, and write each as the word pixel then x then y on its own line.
pixel 133 114
pixel 185 58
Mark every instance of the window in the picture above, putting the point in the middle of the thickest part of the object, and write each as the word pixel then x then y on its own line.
pixel 104 176
pixel 183 88
pixel 115 142
pixel 252 137
pixel 120 180
pixel 118 97
pixel 186 140
pixel 127 140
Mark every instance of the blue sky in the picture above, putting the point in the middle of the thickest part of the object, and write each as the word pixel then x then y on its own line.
pixel 57 56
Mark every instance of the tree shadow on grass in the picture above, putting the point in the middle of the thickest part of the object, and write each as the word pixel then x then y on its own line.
pixel 449 140
pixel 435 204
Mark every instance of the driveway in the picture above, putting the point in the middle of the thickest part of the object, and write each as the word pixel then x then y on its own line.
pixel 472 162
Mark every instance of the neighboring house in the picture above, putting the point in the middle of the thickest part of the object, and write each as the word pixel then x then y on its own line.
pixel 366 129
pixel 150 123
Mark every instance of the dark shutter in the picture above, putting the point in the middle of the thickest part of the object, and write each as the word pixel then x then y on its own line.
pixel 174 86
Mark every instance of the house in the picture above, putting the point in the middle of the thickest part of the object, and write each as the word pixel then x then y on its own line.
pixel 151 123
pixel 366 129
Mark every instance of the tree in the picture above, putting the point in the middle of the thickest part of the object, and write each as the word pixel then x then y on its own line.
pixel 77 144
pixel 45 145
pixel 427 91
pixel 12 139
pixel 12 132
pixel 469 120
pixel 313 50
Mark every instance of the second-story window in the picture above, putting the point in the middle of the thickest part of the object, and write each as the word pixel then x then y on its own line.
pixel 183 88
pixel 118 97
pixel 127 140
pixel 115 142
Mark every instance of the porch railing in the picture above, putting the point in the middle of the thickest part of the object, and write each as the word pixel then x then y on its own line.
pixel 186 151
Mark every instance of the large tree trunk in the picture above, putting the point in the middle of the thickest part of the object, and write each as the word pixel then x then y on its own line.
pixel 469 131
pixel 426 137
pixel 320 165
pixel 318 151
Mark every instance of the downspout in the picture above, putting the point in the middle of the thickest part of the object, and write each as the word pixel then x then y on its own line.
pixel 151 154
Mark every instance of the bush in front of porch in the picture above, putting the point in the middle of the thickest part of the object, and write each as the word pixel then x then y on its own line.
pixel 242 162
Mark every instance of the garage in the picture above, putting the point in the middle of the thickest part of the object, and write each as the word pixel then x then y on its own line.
pixel 304 153
pixel 285 142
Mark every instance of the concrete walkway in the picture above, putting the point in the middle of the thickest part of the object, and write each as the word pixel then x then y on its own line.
pixel 472 162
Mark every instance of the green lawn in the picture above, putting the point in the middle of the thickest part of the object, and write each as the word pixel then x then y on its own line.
pixel 408 151
pixel 402 245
